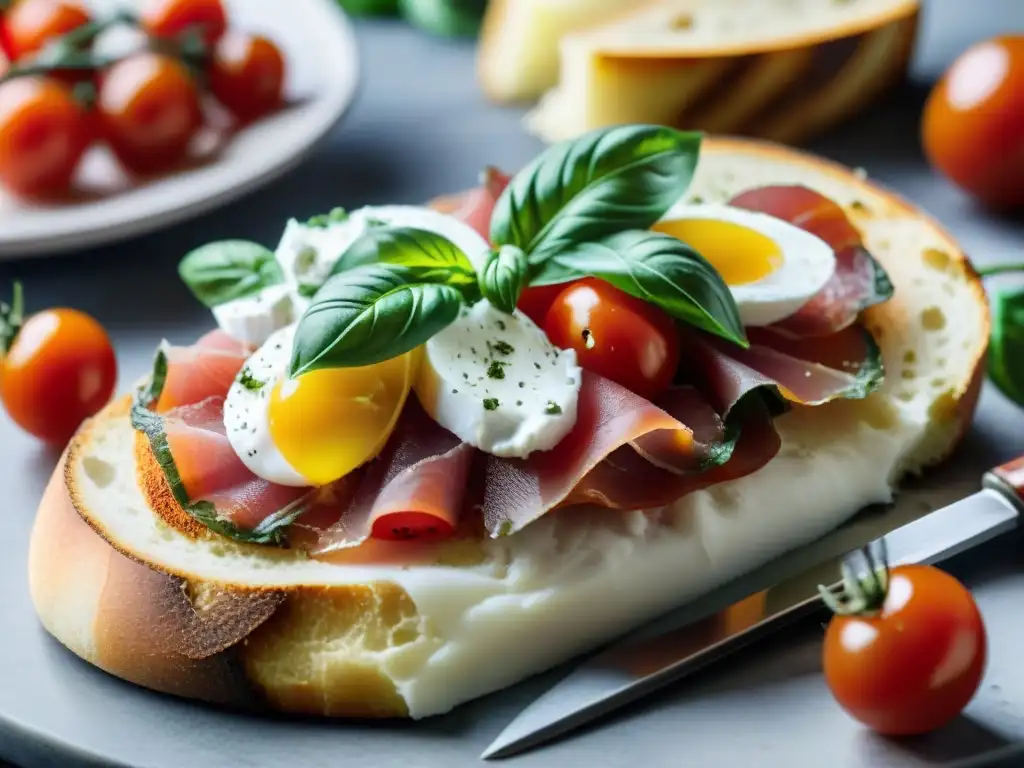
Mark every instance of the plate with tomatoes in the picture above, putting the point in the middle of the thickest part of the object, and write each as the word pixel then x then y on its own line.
pixel 119 117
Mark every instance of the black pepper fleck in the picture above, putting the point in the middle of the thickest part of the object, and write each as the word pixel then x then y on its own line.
pixel 500 324
pixel 504 348
pixel 522 384
pixel 537 366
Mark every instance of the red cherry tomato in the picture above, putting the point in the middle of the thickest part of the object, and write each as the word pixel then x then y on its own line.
pixel 973 123
pixel 43 134
pixel 149 112
pixel 30 24
pixel 60 369
pixel 535 302
pixel 916 664
pixel 616 335
pixel 246 74
pixel 171 18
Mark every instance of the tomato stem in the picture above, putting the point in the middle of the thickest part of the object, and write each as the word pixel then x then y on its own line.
pixel 12 317
pixel 865 583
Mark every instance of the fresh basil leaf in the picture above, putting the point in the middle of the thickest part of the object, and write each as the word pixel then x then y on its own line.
pixel 1006 355
pixel 369 314
pixel 603 182
pixel 223 271
pixel 447 18
pixel 505 277
pixel 150 392
pixel 430 257
pixel 370 7
pixel 12 316
pixel 657 268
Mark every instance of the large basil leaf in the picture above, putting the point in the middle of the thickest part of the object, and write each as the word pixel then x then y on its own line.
pixel 430 257
pixel 226 270
pixel 657 268
pixel 603 182
pixel 504 277
pixel 369 314
pixel 1006 356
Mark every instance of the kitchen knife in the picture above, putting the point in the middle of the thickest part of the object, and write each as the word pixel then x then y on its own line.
pixel 641 664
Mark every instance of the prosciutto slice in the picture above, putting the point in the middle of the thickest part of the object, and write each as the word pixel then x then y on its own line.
pixel 205 369
pixel 415 490
pixel 195 448
pixel 859 281
pixel 810 371
pixel 476 207
pixel 624 452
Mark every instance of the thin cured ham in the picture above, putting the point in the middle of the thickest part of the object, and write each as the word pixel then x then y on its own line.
pixel 859 281
pixel 809 371
pixel 211 472
pixel 414 490
pixel 624 452
pixel 205 369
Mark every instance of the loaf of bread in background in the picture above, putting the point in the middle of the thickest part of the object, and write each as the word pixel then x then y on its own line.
pixel 783 70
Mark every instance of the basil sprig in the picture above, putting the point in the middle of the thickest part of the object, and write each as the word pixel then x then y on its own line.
pixel 657 268
pixel 504 277
pixel 583 208
pixel 227 270
pixel 429 257
pixel 604 182
pixel 1006 341
pixel 368 314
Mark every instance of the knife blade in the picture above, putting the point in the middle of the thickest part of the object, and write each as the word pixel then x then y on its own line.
pixel 646 662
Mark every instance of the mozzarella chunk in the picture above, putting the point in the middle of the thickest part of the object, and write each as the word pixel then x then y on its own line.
pixel 495 381
pixel 246 417
pixel 307 253
pixel 252 319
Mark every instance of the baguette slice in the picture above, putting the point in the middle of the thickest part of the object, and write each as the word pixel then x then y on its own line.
pixel 211 619
pixel 783 70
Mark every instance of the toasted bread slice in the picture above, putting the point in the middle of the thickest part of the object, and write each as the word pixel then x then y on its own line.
pixel 783 70
pixel 370 635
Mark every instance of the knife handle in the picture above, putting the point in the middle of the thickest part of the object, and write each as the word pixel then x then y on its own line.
pixel 1008 479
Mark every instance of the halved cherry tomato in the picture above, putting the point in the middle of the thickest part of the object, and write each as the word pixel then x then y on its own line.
pixel 59 370
pixel 43 134
pixel 171 18
pixel 246 74
pixel 973 124
pixel 913 664
pixel 31 24
pixel 616 335
pixel 535 302
pixel 149 112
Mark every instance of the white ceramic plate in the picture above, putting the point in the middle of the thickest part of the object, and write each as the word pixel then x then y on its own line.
pixel 322 80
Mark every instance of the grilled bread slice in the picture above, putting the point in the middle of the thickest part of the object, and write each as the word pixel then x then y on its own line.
pixel 371 636
pixel 782 70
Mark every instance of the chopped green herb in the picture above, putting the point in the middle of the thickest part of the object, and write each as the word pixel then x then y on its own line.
pixel 496 370
pixel 553 409
pixel 455 391
pixel 504 348
pixel 505 529
pixel 491 404
pixel 250 382
pixel 500 324
pixel 324 220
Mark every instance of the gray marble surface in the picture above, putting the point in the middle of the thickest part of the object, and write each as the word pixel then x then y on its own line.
pixel 416 131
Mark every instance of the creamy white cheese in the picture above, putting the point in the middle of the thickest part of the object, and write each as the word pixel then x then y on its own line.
pixel 495 381
pixel 245 411
pixel 252 319
pixel 307 253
